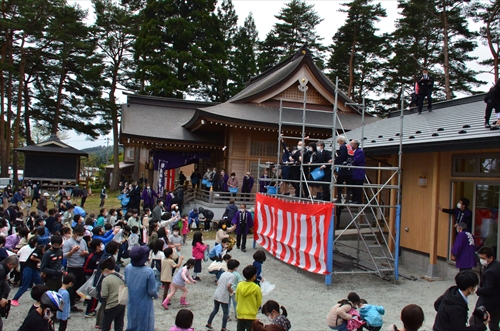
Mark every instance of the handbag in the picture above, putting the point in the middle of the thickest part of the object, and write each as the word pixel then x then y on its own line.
pixel 233 190
pixel 122 291
pixel 206 253
pixel 193 225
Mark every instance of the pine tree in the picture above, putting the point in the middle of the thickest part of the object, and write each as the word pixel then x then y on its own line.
pixel 414 45
pixel 244 57
pixel 178 43
pixel 296 27
pixel 115 31
pixel 488 13
pixel 458 43
pixel 357 50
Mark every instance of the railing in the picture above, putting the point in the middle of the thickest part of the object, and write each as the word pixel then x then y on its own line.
pixel 219 198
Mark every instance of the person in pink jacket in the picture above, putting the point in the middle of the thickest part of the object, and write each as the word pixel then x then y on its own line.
pixel 199 249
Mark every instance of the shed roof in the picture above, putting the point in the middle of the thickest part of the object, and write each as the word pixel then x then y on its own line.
pixel 52 145
pixel 452 125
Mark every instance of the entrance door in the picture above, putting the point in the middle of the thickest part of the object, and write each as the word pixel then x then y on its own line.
pixel 486 215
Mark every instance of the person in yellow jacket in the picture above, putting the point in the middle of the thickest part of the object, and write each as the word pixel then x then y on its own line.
pixel 248 298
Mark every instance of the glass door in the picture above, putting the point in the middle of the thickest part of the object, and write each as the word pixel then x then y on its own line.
pixel 486 202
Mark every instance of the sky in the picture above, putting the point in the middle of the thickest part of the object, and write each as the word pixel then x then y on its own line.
pixel 264 11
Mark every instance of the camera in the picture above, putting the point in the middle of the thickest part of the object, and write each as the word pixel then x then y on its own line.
pixel 480 313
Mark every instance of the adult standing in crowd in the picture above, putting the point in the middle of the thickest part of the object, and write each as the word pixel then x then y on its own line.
pixel 489 287
pixel 243 221
pixel 462 213
pixel 451 307
pixel 182 178
pixel 247 183
pixel 195 178
pixel 41 207
pixel 263 182
pixel 148 197
pixel 358 174
pixel 464 249
pixel 324 156
pixel 84 193
pixel 75 252
pixel 344 157
pixel 103 196
pixel 36 192
pixel 6 266
pixel 140 280
pixel 425 86
pixel 232 183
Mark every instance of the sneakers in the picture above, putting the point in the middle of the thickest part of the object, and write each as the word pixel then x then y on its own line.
pixel 14 303
pixel 91 314
pixel 209 327
pixel 197 278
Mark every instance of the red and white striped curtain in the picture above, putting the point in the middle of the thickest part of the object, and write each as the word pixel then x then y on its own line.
pixel 294 232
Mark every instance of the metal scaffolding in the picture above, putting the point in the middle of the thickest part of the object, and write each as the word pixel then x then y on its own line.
pixel 367 243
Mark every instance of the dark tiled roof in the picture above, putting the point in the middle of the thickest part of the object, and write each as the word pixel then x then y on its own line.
pixel 264 115
pixel 452 125
pixel 162 122
pixel 52 145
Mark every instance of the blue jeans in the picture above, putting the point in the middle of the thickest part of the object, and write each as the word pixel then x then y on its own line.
pixel 231 298
pixel 217 273
pixel 341 327
pixel 214 312
pixel 29 276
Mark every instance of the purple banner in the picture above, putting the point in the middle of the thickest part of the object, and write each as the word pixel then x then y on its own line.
pixel 174 160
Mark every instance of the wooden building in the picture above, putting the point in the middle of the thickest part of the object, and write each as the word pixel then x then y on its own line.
pixel 52 161
pixel 447 154
pixel 236 134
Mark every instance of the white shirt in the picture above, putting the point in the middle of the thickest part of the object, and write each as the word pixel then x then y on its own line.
pixel 24 253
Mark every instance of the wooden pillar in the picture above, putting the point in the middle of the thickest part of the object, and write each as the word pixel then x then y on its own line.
pixel 433 226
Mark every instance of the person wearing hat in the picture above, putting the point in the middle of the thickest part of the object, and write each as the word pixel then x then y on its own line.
pixel 464 249
pixel 425 85
pixel 41 318
pixel 142 289
pixel 41 207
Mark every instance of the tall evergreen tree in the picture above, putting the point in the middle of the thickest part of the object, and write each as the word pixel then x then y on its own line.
pixel 178 42
pixel 357 50
pixel 414 44
pixel 488 13
pixel 458 43
pixel 296 27
pixel 244 58
pixel 115 33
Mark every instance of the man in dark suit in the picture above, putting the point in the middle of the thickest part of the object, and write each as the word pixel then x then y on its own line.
pixel 425 85
pixel 492 100
pixel 324 156
pixel 489 287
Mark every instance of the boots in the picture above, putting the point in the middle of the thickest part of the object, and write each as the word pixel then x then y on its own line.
pixel 165 303
pixel 184 302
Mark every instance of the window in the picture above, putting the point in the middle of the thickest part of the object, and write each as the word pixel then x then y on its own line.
pixel 130 152
pixel 263 148
pixel 479 165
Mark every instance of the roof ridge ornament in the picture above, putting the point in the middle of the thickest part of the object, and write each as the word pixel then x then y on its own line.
pixel 303 84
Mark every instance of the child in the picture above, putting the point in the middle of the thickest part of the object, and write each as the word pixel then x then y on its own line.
pixel 338 316
pixel 175 240
pixel 218 268
pixel 259 257
pixel 249 299
pixel 222 293
pixel 272 310
pixel 51 264
pixel 372 315
pixel 36 294
pixel 68 281
pixel 219 250
pixel 155 257
pixel 167 266
pixel 237 279
pixel 198 252
pixel 185 228
pixel 110 289
pixel 183 321
pixel 30 270
pixel 40 318
pixel 181 278
pixel 133 240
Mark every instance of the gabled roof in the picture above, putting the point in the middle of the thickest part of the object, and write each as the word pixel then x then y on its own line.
pixel 276 77
pixel 452 125
pixel 52 145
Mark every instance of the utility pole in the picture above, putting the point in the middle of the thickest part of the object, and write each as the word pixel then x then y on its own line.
pixel 107 149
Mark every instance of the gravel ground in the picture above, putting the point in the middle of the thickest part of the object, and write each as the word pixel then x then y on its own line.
pixel 304 295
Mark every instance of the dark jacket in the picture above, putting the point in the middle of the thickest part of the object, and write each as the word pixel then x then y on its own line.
pixel 461 216
pixel 359 161
pixel 425 85
pixel 489 287
pixel 323 157
pixel 4 284
pixel 452 313
pixel 344 157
